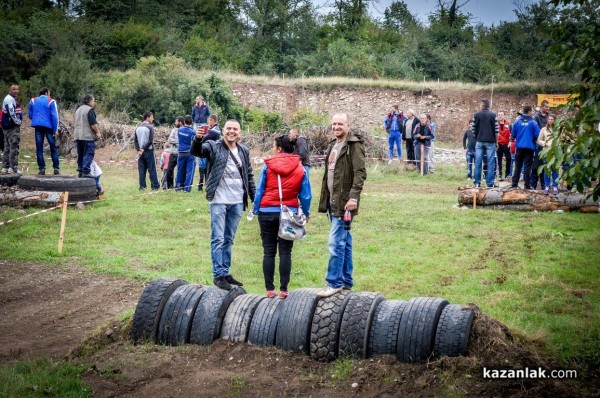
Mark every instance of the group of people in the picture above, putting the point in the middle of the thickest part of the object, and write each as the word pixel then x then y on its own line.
pixel 491 138
pixel 418 133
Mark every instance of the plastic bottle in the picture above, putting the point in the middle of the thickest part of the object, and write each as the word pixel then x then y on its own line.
pixel 347 220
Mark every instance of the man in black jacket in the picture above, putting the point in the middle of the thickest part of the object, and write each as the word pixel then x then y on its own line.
pixel 469 146
pixel 485 129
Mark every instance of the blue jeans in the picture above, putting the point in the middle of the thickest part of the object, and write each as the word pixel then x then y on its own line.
pixel 394 139
pixel 224 220
pixel 98 185
pixel 554 179
pixel 85 155
pixel 40 133
pixel 185 172
pixel 426 150
pixel 470 160
pixel 487 149
pixel 339 269
pixel 146 162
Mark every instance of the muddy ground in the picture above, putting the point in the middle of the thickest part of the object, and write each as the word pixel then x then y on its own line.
pixel 69 314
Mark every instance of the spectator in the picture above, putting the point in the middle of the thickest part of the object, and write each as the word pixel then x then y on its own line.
pixel 469 146
pixel 301 148
pixel 85 132
pixel 44 119
pixel 12 117
pixel 173 141
pixel 422 137
pixel 485 128
pixel 96 172
pixel 393 125
pixel 200 112
pixel 229 183
pixel 212 133
pixel 525 132
pixel 343 181
pixel 186 163
pixel 407 129
pixel 541 118
pixel 144 145
pixel 164 166
pixel 545 141
pixel 503 150
pixel 431 157
pixel 295 192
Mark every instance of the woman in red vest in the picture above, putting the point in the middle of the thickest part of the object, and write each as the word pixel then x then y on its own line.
pixel 296 192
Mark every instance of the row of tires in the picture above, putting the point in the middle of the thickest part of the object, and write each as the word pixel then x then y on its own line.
pixel 80 189
pixel 347 324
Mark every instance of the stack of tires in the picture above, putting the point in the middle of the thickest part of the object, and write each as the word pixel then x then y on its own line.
pixel 347 324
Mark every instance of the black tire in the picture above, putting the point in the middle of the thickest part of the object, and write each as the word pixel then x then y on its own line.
pixel 9 180
pixel 239 316
pixel 206 326
pixel 149 309
pixel 453 330
pixel 356 324
pixel 295 320
pixel 383 338
pixel 80 189
pixel 176 319
pixel 325 330
pixel 264 322
pixel 417 328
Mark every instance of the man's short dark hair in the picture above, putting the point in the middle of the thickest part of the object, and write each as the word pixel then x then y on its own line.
pixel 180 119
pixel 87 98
pixel 44 91
pixel 396 107
pixel 527 109
pixel 545 102
pixel 485 103
pixel 147 114
pixel 428 116
pixel 188 120
pixel 214 118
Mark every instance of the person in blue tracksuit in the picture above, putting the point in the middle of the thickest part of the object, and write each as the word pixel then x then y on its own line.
pixel 393 124
pixel 186 163
pixel 44 119
pixel 525 132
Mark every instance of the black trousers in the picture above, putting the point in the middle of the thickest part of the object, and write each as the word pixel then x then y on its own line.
pixel 171 171
pixel 503 150
pixel 524 156
pixel 535 174
pixel 269 227
pixel 410 150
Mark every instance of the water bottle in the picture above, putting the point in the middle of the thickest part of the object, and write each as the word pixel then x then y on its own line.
pixel 250 215
pixel 347 220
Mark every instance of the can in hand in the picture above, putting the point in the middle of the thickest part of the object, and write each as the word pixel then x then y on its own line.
pixel 347 220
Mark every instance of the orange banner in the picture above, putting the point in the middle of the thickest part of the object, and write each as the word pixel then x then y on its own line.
pixel 554 100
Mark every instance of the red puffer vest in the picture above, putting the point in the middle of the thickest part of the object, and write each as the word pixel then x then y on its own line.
pixel 289 167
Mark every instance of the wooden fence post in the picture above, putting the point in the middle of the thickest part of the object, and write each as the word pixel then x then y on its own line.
pixel 63 222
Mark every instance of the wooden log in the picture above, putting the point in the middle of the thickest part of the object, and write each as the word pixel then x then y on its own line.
pixel 521 199
pixel 31 198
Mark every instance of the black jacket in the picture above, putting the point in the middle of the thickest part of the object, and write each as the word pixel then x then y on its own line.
pixel 485 126
pixel 469 140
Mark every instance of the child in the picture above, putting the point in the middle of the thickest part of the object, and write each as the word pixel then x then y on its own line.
pixel 164 165
pixel 96 172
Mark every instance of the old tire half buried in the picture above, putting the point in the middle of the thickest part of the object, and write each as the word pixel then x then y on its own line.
pixel 383 338
pixel 80 189
pixel 176 319
pixel 295 320
pixel 149 309
pixel 210 312
pixel 239 316
pixel 9 180
pixel 453 330
pixel 325 330
pixel 417 328
pixel 264 322
pixel 356 324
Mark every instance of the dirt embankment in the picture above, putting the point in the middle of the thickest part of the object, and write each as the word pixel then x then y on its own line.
pixel 367 107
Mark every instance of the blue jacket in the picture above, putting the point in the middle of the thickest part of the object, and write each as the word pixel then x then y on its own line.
pixel 525 132
pixel 200 113
pixel 43 113
pixel 185 135
pixel 393 121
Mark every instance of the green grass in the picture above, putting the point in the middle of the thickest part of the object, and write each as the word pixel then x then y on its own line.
pixel 536 272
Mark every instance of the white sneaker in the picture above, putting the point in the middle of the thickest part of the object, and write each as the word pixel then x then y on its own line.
pixel 4 171
pixel 17 172
pixel 390 161
pixel 328 291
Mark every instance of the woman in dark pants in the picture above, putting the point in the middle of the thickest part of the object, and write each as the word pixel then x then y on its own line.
pixel 295 192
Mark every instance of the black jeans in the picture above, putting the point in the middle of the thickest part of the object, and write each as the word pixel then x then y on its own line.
pixel 146 162
pixel 523 156
pixel 535 174
pixel 171 170
pixel 269 227
pixel 410 150
pixel 503 149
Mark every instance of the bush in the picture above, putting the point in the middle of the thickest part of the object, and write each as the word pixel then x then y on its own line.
pixel 259 121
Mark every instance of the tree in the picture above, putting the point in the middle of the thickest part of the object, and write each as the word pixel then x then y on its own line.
pixel 398 17
pixel 576 143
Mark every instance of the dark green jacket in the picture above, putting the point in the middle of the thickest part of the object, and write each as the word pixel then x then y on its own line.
pixel 348 178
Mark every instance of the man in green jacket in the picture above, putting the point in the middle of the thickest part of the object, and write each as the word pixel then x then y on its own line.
pixel 343 181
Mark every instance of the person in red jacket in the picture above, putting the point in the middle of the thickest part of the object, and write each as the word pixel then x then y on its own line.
pixel 296 192
pixel 503 149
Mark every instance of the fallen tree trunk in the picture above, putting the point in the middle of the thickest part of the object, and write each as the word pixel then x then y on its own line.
pixel 31 198
pixel 521 199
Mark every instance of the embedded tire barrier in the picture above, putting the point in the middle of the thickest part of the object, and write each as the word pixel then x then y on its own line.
pixel 264 322
pixel 356 324
pixel 9 180
pixel 80 189
pixel 347 324
pixel 238 317
pixel 150 307
pixel 452 335
pixel 417 328
pixel 295 320
pixel 210 312
pixel 176 319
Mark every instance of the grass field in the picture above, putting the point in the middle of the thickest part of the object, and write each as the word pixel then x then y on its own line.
pixel 537 272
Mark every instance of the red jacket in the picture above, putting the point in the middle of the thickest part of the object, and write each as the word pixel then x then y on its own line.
pixel 289 167
pixel 503 132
